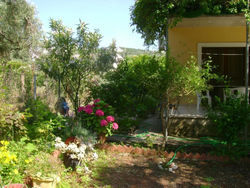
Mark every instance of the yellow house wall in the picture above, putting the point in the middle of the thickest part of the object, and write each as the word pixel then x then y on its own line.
pixel 183 41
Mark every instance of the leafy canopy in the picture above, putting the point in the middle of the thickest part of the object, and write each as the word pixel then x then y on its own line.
pixel 150 17
pixel 70 58
pixel 19 29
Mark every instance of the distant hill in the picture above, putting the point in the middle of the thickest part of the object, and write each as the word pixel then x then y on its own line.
pixel 132 52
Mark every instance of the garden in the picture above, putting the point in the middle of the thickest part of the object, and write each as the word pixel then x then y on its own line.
pixel 62 98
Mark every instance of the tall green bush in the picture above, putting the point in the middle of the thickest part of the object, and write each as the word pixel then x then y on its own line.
pixel 11 121
pixel 130 88
pixel 41 122
pixel 229 118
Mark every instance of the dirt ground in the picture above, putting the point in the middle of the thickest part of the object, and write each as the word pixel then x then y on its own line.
pixel 130 170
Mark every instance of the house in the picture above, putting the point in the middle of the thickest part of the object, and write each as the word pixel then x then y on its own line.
pixel 223 38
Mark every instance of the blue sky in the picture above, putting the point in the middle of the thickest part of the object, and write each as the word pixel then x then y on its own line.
pixel 111 17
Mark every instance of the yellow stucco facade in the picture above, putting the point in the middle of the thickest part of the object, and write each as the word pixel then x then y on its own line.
pixel 184 39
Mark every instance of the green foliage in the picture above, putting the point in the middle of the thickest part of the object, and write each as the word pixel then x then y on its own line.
pixel 128 124
pixel 41 122
pixel 139 83
pixel 17 78
pixel 132 52
pixel 19 29
pixel 11 122
pixel 229 119
pixel 44 166
pixel 152 17
pixel 69 59
pixel 14 157
pixel 131 83
pixel 8 160
pixel 106 58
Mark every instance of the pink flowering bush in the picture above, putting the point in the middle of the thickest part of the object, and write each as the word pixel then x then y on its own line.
pixel 98 117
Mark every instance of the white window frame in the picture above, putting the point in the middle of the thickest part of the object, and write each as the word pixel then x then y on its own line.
pixel 199 54
pixel 201 45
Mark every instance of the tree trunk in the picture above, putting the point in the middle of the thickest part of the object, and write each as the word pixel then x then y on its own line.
pixel 23 82
pixel 166 40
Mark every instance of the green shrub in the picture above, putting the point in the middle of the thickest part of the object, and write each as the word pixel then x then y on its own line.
pixel 41 122
pixel 14 157
pixel 11 122
pixel 229 119
pixel 129 88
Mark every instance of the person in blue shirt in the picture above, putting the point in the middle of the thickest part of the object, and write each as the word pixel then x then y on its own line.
pixel 65 107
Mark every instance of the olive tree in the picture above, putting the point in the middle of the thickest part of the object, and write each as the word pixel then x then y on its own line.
pixel 70 58
pixel 20 30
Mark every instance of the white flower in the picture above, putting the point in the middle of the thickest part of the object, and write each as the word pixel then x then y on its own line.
pixel 80 156
pixel 58 179
pixel 72 147
pixel 86 169
pixel 95 155
pixel 82 148
pixel 58 139
pixel 73 156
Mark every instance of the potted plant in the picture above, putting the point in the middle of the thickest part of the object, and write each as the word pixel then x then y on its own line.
pixel 44 170
pixel 77 152
pixel 99 118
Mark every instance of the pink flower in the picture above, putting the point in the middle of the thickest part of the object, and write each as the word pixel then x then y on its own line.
pixel 115 126
pixel 104 123
pixel 88 106
pixel 97 100
pixel 81 108
pixel 88 110
pixel 110 118
pixel 99 112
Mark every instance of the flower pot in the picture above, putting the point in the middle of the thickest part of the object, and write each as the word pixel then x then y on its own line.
pixel 68 162
pixel 43 182
pixel 16 185
pixel 102 138
pixel 70 140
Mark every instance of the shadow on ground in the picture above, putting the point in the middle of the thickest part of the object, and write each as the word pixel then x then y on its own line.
pixel 127 170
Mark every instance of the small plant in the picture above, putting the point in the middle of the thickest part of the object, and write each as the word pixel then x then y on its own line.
pixel 150 141
pixel 98 117
pixel 78 151
pixel 44 166
pixel 8 165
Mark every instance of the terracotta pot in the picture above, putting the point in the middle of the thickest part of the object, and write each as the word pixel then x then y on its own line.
pixel 70 139
pixel 102 138
pixel 16 185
